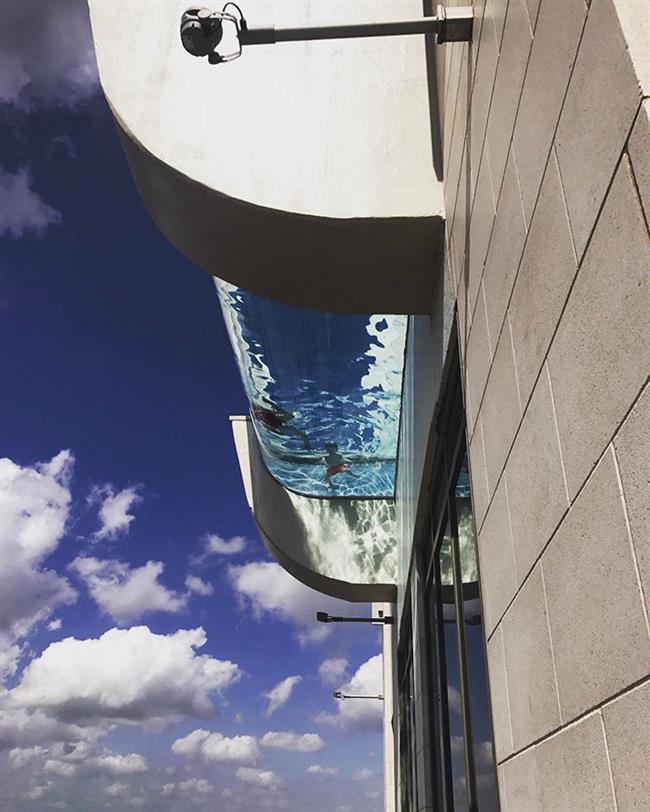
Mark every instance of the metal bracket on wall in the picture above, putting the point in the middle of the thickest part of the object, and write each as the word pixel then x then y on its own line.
pixel 202 30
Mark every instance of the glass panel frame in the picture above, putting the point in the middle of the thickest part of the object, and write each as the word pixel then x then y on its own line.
pixel 324 390
pixel 451 506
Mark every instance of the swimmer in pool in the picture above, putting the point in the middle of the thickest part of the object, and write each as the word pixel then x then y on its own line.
pixel 335 464
pixel 278 420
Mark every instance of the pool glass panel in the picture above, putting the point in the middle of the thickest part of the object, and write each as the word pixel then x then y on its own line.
pixel 324 392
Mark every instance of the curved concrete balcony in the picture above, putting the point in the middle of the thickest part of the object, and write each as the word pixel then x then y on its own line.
pixel 301 172
pixel 341 547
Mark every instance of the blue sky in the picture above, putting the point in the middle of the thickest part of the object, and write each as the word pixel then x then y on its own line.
pixel 122 515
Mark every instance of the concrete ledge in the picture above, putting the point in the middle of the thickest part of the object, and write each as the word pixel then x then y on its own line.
pixel 347 266
pixel 341 547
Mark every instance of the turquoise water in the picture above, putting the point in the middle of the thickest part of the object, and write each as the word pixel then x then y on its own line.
pixel 316 379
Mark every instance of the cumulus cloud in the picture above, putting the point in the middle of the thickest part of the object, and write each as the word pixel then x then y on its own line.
pixel 34 505
pixel 262 778
pixel 269 590
pixel 22 210
pixel 129 676
pixel 115 764
pixel 113 510
pixel 46 54
pixel 316 769
pixel 20 756
pixel 217 747
pixel 216 545
pixel 116 790
pixel 60 768
pixel 288 740
pixel 126 594
pixel 360 714
pixel 332 670
pixel 20 727
pixel 54 625
pixel 198 586
pixel 281 694
pixel 199 785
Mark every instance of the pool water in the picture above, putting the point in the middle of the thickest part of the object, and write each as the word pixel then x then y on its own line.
pixel 316 379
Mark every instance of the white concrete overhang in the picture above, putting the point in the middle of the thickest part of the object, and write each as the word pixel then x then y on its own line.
pixel 301 172
pixel 341 547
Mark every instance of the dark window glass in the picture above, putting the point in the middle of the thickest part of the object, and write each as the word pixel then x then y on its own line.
pixel 479 703
pixel 453 676
pixel 407 750
pixel 460 715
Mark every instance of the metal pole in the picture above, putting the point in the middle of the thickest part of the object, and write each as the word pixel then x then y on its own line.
pixel 451 25
pixel 271 35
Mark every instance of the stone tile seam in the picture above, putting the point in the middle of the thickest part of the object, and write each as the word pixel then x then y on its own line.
pixel 475 415
pixel 557 324
pixel 514 362
pixel 610 442
pixel 512 538
pixel 514 123
pixel 635 560
pixel 507 688
pixel 556 158
pixel 609 761
pixel 557 123
pixel 551 150
pixel 455 107
pixel 557 431
pixel 578 719
pixel 467 141
pixel 550 638
pixel 617 164
pixel 635 183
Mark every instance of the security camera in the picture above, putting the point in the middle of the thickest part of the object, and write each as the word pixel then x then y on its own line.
pixel 201 31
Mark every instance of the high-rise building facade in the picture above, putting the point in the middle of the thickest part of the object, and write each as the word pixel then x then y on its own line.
pixel 433 261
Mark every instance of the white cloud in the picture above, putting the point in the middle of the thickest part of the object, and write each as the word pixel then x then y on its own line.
pixel 197 586
pixel 364 774
pixel 114 510
pixel 131 676
pixel 280 695
pixel 316 769
pixel 361 714
pixel 116 790
pixel 22 210
pixel 288 740
pixel 216 545
pixel 54 625
pixel 217 747
pixel 51 62
pixel 332 670
pixel 263 778
pixel 268 589
pixel 20 756
pixel 34 505
pixel 60 768
pixel 36 793
pixel 131 764
pixel 199 785
pixel 126 594
pixel 20 727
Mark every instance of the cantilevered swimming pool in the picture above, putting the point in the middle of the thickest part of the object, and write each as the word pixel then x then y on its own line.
pixel 324 393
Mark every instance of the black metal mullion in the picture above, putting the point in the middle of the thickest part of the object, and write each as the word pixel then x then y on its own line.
pixel 470 769
pixel 441 679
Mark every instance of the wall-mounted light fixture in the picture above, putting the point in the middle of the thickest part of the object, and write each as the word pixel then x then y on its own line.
pixel 323 617
pixel 341 695
pixel 202 30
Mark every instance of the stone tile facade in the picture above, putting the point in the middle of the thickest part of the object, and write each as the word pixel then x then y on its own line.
pixel 547 189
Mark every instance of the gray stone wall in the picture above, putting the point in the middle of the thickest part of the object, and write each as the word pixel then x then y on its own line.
pixel 547 193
